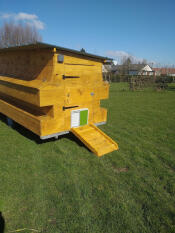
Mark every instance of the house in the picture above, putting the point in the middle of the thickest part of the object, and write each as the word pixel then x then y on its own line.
pixel 134 69
pixel 143 70
pixel 107 70
pixel 164 71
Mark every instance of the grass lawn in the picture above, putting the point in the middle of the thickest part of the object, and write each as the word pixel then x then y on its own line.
pixel 60 187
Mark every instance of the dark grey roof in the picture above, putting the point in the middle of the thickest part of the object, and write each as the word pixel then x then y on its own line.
pixel 131 67
pixel 40 45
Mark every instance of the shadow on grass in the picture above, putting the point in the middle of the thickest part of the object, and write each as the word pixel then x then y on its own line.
pixel 31 136
pixel 169 88
pixel 2 223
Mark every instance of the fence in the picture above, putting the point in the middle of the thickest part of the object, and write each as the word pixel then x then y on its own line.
pixel 140 82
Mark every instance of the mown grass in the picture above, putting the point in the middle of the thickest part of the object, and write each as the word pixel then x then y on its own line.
pixel 60 187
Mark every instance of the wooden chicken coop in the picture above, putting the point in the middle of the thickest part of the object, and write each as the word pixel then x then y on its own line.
pixel 52 90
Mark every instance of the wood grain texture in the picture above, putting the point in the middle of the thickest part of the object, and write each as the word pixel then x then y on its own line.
pixel 34 93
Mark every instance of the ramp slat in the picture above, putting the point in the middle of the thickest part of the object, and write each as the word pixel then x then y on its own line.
pixel 95 139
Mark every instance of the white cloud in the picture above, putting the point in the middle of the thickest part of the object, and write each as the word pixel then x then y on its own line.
pixel 37 23
pixel 117 54
pixel 5 16
pixel 25 16
pixel 120 55
pixel 31 19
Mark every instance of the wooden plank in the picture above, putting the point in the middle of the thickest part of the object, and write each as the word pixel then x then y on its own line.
pixel 24 118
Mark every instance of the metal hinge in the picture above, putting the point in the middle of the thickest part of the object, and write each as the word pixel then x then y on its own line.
pixel 64 77
pixel 64 108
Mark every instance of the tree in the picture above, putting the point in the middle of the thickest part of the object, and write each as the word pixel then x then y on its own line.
pixel 128 61
pixel 144 62
pixel 83 50
pixel 18 34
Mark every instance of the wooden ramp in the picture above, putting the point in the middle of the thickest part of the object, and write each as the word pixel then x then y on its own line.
pixel 96 140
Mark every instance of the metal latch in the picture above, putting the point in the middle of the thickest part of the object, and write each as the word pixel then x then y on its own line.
pixel 64 77
pixel 64 108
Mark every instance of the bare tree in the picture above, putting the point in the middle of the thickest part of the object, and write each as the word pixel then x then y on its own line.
pixel 125 65
pixel 18 34
pixel 144 62
pixel 128 61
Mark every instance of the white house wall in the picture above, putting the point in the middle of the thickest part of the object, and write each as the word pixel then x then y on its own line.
pixel 147 68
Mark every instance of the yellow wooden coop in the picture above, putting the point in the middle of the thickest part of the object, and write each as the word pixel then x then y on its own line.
pixel 52 90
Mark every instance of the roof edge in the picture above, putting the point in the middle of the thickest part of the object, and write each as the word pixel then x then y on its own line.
pixel 45 45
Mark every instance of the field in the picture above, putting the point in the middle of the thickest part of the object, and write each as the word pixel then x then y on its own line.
pixel 59 186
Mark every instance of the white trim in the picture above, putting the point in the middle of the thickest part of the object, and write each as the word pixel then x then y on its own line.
pixel 78 111
pixel 54 135
pixel 100 123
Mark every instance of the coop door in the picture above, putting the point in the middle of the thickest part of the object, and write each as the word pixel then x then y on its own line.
pixel 79 117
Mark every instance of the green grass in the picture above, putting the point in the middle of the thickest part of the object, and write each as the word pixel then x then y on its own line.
pixel 60 187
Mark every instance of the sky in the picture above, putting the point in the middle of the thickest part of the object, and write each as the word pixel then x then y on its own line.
pixel 113 28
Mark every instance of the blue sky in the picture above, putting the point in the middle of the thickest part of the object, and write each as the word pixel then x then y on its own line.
pixel 144 29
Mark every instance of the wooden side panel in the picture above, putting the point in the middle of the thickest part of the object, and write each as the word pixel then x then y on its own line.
pixel 89 70
pixel 51 95
pixel 85 91
pixel 27 65
pixel 78 95
pixel 20 92
pixel 26 119
pixel 86 83
pixel 89 74
pixel 55 124
pixel 101 91
pixel 99 114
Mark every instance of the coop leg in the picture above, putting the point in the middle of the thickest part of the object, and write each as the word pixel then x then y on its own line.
pixel 10 122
